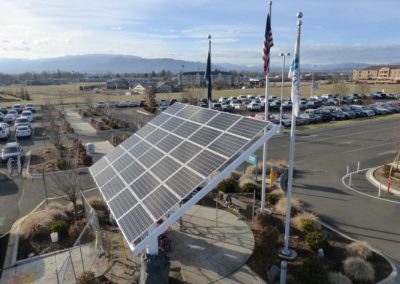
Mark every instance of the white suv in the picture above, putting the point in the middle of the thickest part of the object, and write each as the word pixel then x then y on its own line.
pixel 11 150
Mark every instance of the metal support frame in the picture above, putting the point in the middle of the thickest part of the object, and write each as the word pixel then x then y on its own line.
pixel 152 238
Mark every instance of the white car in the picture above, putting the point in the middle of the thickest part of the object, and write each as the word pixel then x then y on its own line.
pixel 13 112
pixel 254 106
pixel 11 150
pixel 223 100
pixel 30 107
pixel 28 115
pixel 9 118
pixel 22 121
pixel 1 116
pixel 4 131
pixel 23 131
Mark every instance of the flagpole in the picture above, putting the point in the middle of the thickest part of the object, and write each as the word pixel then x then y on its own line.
pixel 209 87
pixel 286 252
pixel 266 100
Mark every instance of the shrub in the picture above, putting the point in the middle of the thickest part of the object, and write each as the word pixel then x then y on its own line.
pixel 316 240
pixel 36 225
pixel 246 179
pixel 249 187
pixel 76 228
pixel 228 186
pixel 338 278
pixel 359 270
pixel 234 176
pixel 62 164
pixel 59 226
pixel 312 272
pixel 87 277
pixel 98 204
pixel 87 160
pixel 280 207
pixel 272 198
pixel 359 249
pixel 306 222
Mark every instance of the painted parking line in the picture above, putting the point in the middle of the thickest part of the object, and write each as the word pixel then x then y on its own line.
pixel 370 147
pixel 387 153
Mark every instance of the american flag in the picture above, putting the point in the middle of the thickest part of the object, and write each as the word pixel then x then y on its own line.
pixel 268 43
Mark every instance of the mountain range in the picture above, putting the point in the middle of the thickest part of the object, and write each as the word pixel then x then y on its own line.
pixel 104 63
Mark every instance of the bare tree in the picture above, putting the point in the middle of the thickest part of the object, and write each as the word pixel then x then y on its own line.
pixel 69 184
pixel 150 99
pixel 363 88
pixel 340 88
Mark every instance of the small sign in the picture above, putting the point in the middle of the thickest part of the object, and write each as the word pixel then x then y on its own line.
pixel 253 159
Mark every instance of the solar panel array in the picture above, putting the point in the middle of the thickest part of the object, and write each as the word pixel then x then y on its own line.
pixel 161 164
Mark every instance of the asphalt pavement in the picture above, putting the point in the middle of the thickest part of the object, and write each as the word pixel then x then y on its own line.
pixel 321 158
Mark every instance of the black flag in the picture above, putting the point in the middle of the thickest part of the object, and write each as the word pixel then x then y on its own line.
pixel 208 74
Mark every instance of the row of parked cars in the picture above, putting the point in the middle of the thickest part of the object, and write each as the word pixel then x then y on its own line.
pixel 20 117
pixel 330 113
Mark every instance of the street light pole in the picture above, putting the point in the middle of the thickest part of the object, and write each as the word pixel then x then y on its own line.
pixel 282 86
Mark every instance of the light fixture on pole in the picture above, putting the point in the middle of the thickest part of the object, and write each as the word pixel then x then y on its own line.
pixel 284 55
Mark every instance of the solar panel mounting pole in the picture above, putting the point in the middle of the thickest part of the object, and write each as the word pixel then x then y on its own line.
pixel 265 144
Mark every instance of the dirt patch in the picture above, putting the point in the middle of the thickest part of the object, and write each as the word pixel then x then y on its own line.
pixel 43 159
pixel 382 178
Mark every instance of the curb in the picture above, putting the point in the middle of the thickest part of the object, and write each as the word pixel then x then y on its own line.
pixel 371 178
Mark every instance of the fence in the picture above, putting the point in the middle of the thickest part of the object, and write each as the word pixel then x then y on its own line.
pixel 82 256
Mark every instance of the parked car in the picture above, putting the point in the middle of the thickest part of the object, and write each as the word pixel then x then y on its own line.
pixel 203 104
pixel 217 106
pixel 30 107
pixel 349 114
pixel 3 110
pixel 363 110
pixel 100 105
pixel 23 131
pixel 1 116
pixel 11 150
pixel 4 130
pixel 379 110
pixel 9 118
pixel 287 104
pixel 122 104
pixel 254 106
pixel 17 107
pixel 20 121
pixel 226 107
pixel 13 112
pixel 28 115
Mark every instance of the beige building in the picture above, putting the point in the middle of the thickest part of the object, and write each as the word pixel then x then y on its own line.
pixel 375 74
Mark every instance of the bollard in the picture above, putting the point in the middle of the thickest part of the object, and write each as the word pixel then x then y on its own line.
pixel 379 190
pixel 349 179
pixel 348 169
pixel 283 272
pixel 358 167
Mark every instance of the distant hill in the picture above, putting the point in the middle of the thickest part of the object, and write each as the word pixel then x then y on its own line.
pixel 104 63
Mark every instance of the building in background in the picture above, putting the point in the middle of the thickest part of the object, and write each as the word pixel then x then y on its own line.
pixel 378 74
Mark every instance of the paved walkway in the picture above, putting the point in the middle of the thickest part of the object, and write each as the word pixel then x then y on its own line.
pixel 211 251
pixel 81 127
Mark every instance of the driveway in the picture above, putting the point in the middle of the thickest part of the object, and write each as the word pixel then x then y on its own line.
pixel 321 158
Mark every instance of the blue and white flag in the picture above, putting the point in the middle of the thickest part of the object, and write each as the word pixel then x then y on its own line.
pixel 294 74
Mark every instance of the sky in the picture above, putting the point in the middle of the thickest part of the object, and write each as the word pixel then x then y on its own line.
pixel 335 31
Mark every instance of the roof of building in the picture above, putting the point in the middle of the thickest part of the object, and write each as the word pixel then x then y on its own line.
pixel 377 67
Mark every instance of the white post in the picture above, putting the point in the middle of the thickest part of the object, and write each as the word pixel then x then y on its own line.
pixel 349 179
pixel 358 167
pixel 347 170
pixel 283 272
pixel 379 190
pixel 266 106
pixel 295 93
pixel 282 87
pixel 264 160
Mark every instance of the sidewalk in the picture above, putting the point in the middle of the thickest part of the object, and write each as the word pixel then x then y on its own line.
pixel 211 251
